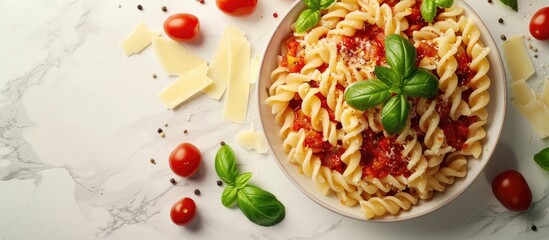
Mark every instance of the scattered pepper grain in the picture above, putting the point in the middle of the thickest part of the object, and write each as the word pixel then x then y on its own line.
pixel 154 76
pixel 140 7
pixel 153 161
pixel 503 37
pixel 197 192
pixel 173 181
pixel 164 9
pixel 500 20
pixel 534 228
pixel 219 183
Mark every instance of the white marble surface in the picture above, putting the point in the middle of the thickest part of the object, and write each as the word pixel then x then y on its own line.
pixel 78 124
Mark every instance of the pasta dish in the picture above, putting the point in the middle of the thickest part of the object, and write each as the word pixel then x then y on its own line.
pixel 346 152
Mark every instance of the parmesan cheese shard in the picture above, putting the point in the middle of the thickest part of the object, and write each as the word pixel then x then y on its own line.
pixel 219 66
pixel 138 40
pixel 254 69
pixel 537 114
pixel 517 58
pixel 521 93
pixel 174 58
pixel 545 94
pixel 185 86
pixel 236 101
pixel 251 139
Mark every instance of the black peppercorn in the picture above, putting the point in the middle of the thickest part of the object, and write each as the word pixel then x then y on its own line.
pixel 139 7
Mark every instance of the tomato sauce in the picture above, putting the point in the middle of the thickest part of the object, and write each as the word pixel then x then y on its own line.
pixel 415 20
pixel 294 59
pixel 330 156
pixel 368 43
pixel 464 72
pixel 425 50
pixel 456 132
pixel 382 156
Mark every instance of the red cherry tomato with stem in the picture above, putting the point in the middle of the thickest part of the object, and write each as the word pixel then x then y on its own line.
pixel 183 211
pixel 237 7
pixel 539 24
pixel 185 160
pixel 182 27
pixel 512 191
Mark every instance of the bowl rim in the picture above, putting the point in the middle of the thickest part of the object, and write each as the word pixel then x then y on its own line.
pixel 497 66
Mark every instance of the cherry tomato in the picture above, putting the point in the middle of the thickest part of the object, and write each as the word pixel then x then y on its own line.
pixel 185 160
pixel 183 211
pixel 237 7
pixel 182 27
pixel 512 191
pixel 539 25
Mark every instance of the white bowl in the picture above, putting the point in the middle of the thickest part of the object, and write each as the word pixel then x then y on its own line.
pixel 496 109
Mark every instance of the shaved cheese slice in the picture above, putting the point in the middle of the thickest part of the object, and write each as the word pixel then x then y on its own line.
pixel 545 94
pixel 236 102
pixel 219 67
pixel 535 112
pixel 521 93
pixel 517 58
pixel 250 139
pixel 254 69
pixel 185 86
pixel 138 40
pixel 174 58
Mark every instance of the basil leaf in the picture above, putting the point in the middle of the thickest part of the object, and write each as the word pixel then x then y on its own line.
pixel 325 4
pixel 225 164
pixel 366 94
pixel 444 3
pixel 421 84
pixel 312 4
pixel 542 159
pixel 400 54
pixel 260 206
pixel 228 198
pixel 388 76
pixel 511 3
pixel 307 20
pixel 428 10
pixel 242 180
pixel 394 114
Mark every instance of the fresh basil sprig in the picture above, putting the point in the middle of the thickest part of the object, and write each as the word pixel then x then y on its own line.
pixel 259 206
pixel 542 159
pixel 311 16
pixel 511 3
pixel 429 8
pixel 393 85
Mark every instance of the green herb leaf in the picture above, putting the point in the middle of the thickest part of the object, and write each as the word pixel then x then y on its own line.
pixel 225 164
pixel 395 114
pixel 312 4
pixel 400 54
pixel 325 4
pixel 511 3
pixel 542 159
pixel 421 84
pixel 444 3
pixel 428 10
pixel 228 198
pixel 366 94
pixel 307 20
pixel 242 180
pixel 388 76
pixel 260 206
